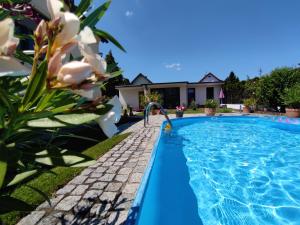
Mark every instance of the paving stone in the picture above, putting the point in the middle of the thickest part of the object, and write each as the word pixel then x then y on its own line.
pixel 87 171
pixel 92 194
pixel 117 218
pixel 108 196
pixel 66 189
pixel 113 187
pixel 135 178
pixel 112 169
pixel 142 163
pixel 80 189
pixel 130 165
pixel 130 188
pixel 100 210
pixel 79 179
pixel 107 177
pixel 32 218
pixel 96 175
pixel 125 171
pixel 121 177
pixel 139 169
pixel 122 159
pixel 83 206
pixel 101 169
pixel 118 163
pixel 68 203
pixel 53 202
pixel 90 180
pixel 107 163
pixel 51 219
pixel 99 185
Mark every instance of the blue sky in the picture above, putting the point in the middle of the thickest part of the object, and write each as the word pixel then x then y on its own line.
pixel 173 40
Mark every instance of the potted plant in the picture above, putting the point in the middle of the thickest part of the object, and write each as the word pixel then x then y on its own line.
pixel 210 107
pixel 179 111
pixel 291 98
pixel 249 105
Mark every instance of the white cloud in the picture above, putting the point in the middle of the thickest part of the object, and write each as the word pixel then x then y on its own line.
pixel 175 66
pixel 128 13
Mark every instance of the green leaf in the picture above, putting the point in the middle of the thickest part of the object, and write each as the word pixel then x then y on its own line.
pixel 76 118
pixel 36 86
pixel 3 14
pixel 92 19
pixel 83 7
pixel 22 176
pixel 23 57
pixel 63 158
pixel 3 165
pixel 5 101
pixel 104 35
pixel 8 204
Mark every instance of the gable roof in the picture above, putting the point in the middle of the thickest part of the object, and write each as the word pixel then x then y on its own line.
pixel 141 77
pixel 210 78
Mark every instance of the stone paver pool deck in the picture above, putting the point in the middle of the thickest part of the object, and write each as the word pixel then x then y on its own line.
pixel 103 193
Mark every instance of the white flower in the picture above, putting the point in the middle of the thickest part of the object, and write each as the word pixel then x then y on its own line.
pixel 69 21
pixel 86 37
pixel 9 66
pixel 107 121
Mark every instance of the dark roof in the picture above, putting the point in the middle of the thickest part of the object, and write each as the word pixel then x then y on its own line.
pixel 179 82
pixel 209 74
pixel 143 76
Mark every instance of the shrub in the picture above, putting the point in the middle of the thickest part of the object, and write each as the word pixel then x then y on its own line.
pixel 193 105
pixel 211 103
pixel 249 102
pixel 291 97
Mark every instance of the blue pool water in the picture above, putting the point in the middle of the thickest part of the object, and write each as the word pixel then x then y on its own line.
pixel 225 170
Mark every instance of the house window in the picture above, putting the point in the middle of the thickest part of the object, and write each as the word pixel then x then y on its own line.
pixel 191 95
pixel 210 93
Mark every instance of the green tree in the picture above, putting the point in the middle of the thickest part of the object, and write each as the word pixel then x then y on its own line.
pixel 110 86
pixel 272 86
pixel 233 89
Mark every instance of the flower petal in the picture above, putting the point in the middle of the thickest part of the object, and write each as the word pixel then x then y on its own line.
pixel 71 26
pixel 117 108
pixel 90 94
pixel 54 7
pixel 10 66
pixel 107 124
pixel 74 72
pixel 86 36
pixel 8 42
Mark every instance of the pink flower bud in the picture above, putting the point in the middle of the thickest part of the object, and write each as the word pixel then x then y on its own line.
pixel 74 73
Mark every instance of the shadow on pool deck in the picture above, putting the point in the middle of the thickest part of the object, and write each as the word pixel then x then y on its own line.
pixel 169 198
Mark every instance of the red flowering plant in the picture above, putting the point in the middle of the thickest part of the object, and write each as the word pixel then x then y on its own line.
pixel 180 108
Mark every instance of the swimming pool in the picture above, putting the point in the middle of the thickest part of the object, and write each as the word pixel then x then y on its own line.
pixel 224 170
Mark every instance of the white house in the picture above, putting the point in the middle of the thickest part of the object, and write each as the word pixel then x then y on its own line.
pixel 173 93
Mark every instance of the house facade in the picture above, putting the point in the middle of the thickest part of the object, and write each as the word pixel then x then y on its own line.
pixel 172 93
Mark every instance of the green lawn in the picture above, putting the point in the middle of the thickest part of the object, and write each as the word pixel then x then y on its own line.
pixel 191 111
pixel 50 182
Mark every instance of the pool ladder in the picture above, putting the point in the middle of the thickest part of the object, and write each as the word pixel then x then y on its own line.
pixel 162 110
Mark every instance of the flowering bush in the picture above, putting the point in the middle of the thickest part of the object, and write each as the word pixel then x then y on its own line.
pixel 59 89
pixel 180 108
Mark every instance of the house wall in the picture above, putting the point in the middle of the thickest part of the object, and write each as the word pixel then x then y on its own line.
pixel 129 97
pixel 201 93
